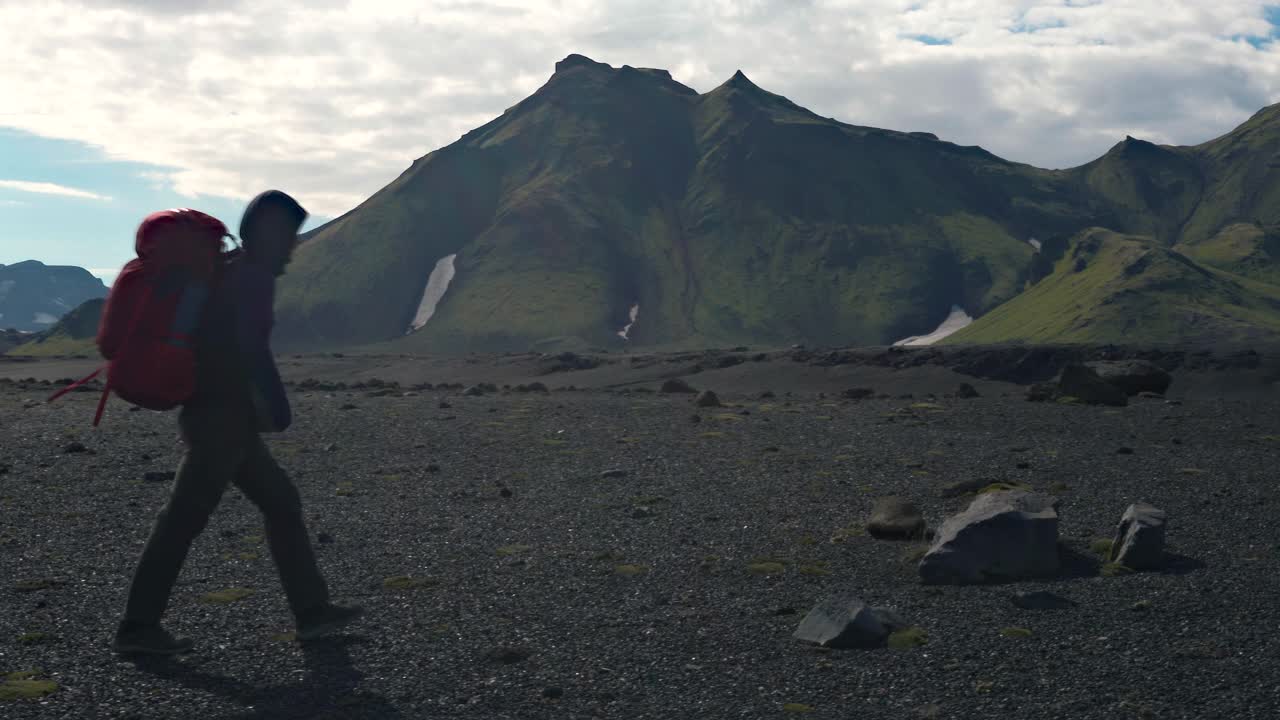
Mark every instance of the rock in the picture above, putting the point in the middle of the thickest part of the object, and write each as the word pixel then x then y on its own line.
pixel 642 512
pixel 324 538
pixel 1124 450
pixel 707 399
pixel 1139 541
pixel 159 476
pixel 444 405
pixel 676 385
pixel 552 692
pixel 473 391
pixel 695 418
pixel 432 468
pixel 1082 383
pixel 1041 600
pixel 967 392
pixel 505 492
pixel 346 406
pixel 895 518
pixel 858 393
pixel 1041 392
pixel 1005 535
pixel 615 473
pixel 767 395
pixel 1150 395
pixel 1133 376
pixel 847 622
pixel 75 447
pixel 331 447
pixel 508 655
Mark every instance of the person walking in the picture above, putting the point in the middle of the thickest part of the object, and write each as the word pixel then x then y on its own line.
pixel 238 395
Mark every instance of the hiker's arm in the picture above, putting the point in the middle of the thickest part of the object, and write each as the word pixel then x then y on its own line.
pixel 256 295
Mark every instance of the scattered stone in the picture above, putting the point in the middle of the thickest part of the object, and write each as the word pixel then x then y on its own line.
pixel 895 518
pixel 1133 376
pixel 858 393
pixel 642 512
pixel 473 391
pixel 324 538
pixel 615 473
pixel 1041 600
pixel 505 492
pixel 847 622
pixel 767 395
pixel 432 468
pixel 346 406
pixel 1005 535
pixel 1084 384
pixel 159 476
pixel 1041 392
pixel 1139 542
pixel 444 405
pixel 1124 450
pixel 331 447
pixel 676 385
pixel 552 693
pixel 1147 395
pixel 75 447
pixel 967 392
pixel 708 399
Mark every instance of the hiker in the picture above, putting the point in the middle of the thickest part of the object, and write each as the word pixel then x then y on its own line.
pixel 238 394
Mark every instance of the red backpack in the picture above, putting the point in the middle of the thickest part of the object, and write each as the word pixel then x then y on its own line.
pixel 150 317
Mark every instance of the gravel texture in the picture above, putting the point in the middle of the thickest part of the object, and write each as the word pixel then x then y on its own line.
pixel 597 555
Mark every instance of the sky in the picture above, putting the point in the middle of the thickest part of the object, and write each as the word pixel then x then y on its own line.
pixel 114 109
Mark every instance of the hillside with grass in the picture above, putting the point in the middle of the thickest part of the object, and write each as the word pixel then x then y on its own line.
pixel 737 217
pixel 72 335
pixel 1131 289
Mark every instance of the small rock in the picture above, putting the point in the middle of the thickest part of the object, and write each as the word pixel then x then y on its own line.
pixel 324 538
pixel 346 406
pixel 505 492
pixel 641 513
pixel 432 468
pixel 1148 395
pixel 615 473
pixel 1124 451
pixel 75 447
pixel 1133 376
pixel 508 655
pixel 967 392
pixel 159 476
pixel 1139 541
pixel 1084 384
pixel 473 391
pixel 847 622
pixel 553 693
pixel 444 405
pixel 331 447
pixel 767 395
pixel 707 399
pixel 784 611
pixel 1041 600
pixel 858 393
pixel 895 518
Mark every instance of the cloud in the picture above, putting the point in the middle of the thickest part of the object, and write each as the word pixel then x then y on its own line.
pixel 331 101
pixel 45 188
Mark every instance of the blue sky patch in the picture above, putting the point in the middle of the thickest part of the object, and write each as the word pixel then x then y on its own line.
pixel 930 39
pixel 67 203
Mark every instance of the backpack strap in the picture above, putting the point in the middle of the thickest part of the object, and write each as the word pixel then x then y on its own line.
pixel 76 384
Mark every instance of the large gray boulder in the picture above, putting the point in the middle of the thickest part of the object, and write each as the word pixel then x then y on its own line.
pixel 847 622
pixel 1139 542
pixel 1084 384
pixel 1133 376
pixel 1000 536
pixel 895 518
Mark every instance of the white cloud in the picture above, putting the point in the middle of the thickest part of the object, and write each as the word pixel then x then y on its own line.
pixel 46 188
pixel 330 101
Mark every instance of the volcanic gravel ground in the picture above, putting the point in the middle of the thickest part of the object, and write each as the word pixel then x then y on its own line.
pixel 574 595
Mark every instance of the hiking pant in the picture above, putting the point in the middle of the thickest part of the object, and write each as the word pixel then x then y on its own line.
pixel 223 447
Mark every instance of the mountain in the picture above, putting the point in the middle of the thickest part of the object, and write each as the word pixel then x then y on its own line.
pixel 73 334
pixel 617 201
pixel 1135 289
pixel 34 295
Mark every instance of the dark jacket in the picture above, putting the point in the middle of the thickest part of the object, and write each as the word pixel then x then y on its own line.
pixel 234 365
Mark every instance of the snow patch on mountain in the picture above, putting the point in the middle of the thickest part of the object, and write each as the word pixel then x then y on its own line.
pixel 437 283
pixel 1034 243
pixel 957 320
pixel 625 332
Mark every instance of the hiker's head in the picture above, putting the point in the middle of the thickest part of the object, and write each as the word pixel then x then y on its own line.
pixel 269 229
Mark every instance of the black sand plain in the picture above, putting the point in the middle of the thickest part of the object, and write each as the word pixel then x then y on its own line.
pixel 508 573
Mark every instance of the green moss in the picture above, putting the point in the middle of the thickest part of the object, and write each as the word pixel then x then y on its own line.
pixel 226 597
pixel 630 570
pixel 344 489
pixel 817 569
pixel 35 638
pixel 913 555
pixel 1003 487
pixel 25 686
pixel 1115 570
pixel 406 582
pixel 907 638
pixel 797 708
pixel 712 434
pixel 1016 633
pixel 766 567
pixel 1101 546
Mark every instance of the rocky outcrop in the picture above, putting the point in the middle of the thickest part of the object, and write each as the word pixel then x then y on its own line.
pixel 1139 541
pixel 1007 535
pixel 847 622
pixel 1133 376
pixel 895 518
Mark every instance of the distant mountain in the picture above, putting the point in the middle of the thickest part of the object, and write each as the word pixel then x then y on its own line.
pixel 33 296
pixel 735 216
pixel 73 334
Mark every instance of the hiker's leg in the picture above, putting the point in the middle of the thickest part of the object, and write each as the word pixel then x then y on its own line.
pixel 208 466
pixel 264 482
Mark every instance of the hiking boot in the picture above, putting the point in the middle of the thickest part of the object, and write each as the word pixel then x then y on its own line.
pixel 148 640
pixel 325 620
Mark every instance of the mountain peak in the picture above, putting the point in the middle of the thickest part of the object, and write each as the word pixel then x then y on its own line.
pixel 741 81
pixel 575 60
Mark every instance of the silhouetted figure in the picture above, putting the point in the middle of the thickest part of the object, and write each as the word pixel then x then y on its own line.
pixel 238 395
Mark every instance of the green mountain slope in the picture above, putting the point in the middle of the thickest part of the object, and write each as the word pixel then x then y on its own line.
pixel 1131 289
pixel 72 335
pixel 736 216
